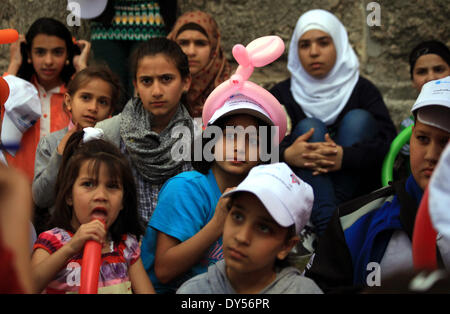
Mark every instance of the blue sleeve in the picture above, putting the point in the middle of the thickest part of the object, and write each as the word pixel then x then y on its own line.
pixel 184 207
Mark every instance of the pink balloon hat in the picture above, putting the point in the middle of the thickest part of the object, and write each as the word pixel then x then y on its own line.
pixel 258 53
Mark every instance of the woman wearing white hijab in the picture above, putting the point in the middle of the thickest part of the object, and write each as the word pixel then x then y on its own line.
pixel 341 128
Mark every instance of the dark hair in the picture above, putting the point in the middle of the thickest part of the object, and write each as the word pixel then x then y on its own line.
pixel 51 27
pixel 102 72
pixel 194 27
pixel 203 165
pixel 164 46
pixel 428 47
pixel 99 152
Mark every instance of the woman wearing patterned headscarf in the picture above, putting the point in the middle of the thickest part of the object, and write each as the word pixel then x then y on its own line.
pixel 198 35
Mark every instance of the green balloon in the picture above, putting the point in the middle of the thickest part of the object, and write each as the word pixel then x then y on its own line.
pixel 387 172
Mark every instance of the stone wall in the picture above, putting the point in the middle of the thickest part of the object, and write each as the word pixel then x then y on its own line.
pixel 382 50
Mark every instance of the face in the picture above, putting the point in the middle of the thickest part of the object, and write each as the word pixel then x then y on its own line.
pixel 160 86
pixel 252 240
pixel 91 196
pixel 197 47
pixel 429 67
pixel 48 55
pixel 91 103
pixel 236 152
pixel 317 53
pixel 426 146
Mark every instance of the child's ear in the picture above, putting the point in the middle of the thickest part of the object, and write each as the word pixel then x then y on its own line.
pixel 69 200
pixel 187 83
pixel 288 247
pixel 68 101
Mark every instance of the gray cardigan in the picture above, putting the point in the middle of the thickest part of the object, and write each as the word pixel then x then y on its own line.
pixel 46 169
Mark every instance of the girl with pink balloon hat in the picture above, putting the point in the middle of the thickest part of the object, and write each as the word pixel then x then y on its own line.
pixel 184 235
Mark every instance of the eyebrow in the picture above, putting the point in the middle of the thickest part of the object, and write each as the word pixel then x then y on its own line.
pixel 317 38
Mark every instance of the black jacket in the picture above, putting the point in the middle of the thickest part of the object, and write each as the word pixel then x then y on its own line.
pixel 365 157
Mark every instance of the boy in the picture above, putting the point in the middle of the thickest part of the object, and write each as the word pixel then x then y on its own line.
pixel 266 213
pixel 369 238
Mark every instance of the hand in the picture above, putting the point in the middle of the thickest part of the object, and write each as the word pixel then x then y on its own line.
pixel 80 61
pixel 15 60
pixel 94 230
pixel 330 158
pixel 62 144
pixel 221 212
pixel 293 155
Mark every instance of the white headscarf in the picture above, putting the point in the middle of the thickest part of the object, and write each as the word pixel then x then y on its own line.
pixel 323 98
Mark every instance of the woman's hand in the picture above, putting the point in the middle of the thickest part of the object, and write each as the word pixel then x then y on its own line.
pixel 15 60
pixel 326 158
pixel 94 230
pixel 80 61
pixel 62 144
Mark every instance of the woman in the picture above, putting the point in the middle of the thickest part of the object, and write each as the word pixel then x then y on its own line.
pixel 341 126
pixel 198 36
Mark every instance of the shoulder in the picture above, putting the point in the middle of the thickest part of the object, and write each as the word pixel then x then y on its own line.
pixel 281 87
pixel 364 85
pixel 111 128
pixel 189 180
pixel 52 240
pixel 196 285
pixel 354 210
pixel 53 138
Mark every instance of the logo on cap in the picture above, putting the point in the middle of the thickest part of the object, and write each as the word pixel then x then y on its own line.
pixel 294 179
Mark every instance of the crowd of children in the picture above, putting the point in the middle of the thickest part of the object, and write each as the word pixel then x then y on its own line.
pixel 221 219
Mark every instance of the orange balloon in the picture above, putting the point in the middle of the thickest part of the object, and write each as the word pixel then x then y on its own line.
pixel 8 36
pixel 4 91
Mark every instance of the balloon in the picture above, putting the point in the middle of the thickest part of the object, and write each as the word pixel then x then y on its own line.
pixel 258 53
pixel 424 238
pixel 388 163
pixel 8 36
pixel 90 266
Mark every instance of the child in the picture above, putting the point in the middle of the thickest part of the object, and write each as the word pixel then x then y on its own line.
pixel 267 211
pixel 378 228
pixel 188 221
pixel 143 129
pixel 341 128
pixel 198 35
pixel 92 95
pixel 94 181
pixel 46 57
pixel 429 60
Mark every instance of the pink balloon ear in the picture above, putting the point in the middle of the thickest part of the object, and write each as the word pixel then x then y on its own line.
pixel 240 54
pixel 265 50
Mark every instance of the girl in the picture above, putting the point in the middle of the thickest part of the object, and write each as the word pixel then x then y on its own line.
pixel 188 220
pixel 198 35
pixel 266 213
pixel 94 181
pixel 92 95
pixel 341 126
pixel 47 57
pixel 143 129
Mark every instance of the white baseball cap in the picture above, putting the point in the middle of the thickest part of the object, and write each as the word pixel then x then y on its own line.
pixel 434 104
pixel 22 110
pixel 285 196
pixel 239 103
pixel 89 9
pixel 439 194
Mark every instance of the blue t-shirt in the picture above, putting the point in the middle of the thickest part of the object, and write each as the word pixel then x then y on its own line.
pixel 186 203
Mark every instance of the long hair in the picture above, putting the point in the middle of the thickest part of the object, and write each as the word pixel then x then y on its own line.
pixel 99 152
pixel 50 27
pixel 102 72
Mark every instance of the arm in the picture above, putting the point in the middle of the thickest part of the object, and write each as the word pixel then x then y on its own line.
pixel 45 266
pixel 47 163
pixel 170 251
pixel 15 60
pixel 80 61
pixel 15 216
pixel 140 282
